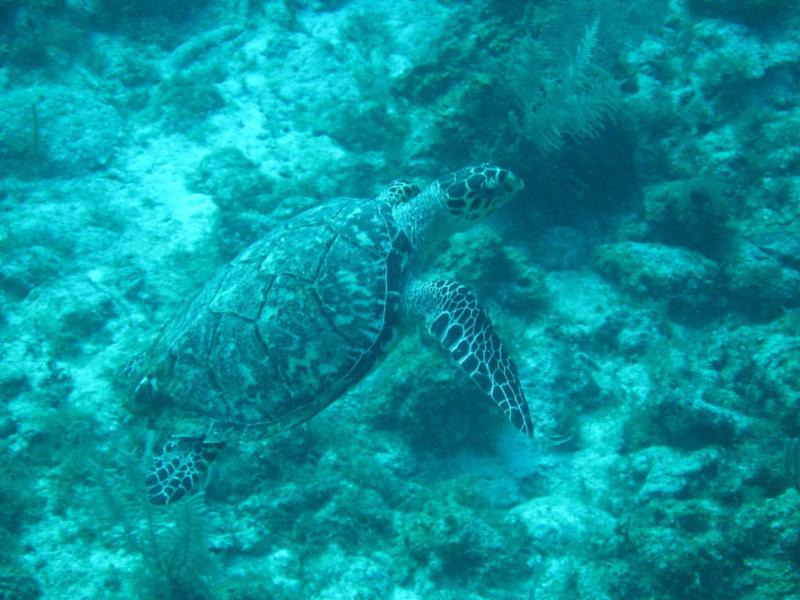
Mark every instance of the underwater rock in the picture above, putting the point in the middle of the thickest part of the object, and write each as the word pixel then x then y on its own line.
pixel 564 380
pixel 354 516
pixel 584 300
pixel 56 131
pixel 727 54
pixel 242 193
pixel 680 553
pixel 777 236
pixel 73 316
pixel 682 277
pixel 684 418
pixel 15 584
pixel 633 332
pixel 233 181
pixel 765 532
pixel 284 571
pixel 377 129
pixel 671 473
pixel 778 369
pixel 185 101
pixel 560 525
pixel 570 577
pixel 26 269
pixel 425 415
pixel 763 280
pixel 13 380
pixel 746 11
pixel 691 212
pixel 114 11
pixel 454 541
pixel 357 578
pixel 561 248
pixel 8 426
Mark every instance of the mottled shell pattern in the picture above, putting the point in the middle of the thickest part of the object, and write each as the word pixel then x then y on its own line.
pixel 281 331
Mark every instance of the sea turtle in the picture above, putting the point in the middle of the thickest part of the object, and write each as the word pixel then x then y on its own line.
pixel 301 315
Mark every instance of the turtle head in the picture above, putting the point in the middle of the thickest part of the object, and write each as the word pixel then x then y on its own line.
pixel 454 202
pixel 475 192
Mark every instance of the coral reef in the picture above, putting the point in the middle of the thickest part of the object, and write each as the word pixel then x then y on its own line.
pixel 647 282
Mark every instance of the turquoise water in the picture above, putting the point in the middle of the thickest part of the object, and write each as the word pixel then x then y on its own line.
pixel 645 282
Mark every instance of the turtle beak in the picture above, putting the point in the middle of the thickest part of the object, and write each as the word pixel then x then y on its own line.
pixel 512 183
pixel 506 186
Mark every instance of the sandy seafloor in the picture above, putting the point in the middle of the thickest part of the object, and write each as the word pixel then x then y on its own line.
pixel 647 280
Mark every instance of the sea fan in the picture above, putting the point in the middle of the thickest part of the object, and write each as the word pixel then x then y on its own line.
pixel 172 542
pixel 575 103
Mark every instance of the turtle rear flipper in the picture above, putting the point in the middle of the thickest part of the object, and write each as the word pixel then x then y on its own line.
pixel 177 468
pixel 453 316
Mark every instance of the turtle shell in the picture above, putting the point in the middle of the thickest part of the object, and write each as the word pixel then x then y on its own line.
pixel 286 327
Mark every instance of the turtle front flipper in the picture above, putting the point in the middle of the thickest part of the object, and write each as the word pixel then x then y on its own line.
pixel 178 466
pixel 453 316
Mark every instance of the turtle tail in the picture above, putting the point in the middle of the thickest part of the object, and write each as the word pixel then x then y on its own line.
pixel 178 467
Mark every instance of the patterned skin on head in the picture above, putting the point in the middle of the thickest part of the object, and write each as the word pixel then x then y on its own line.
pixel 399 192
pixel 475 192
